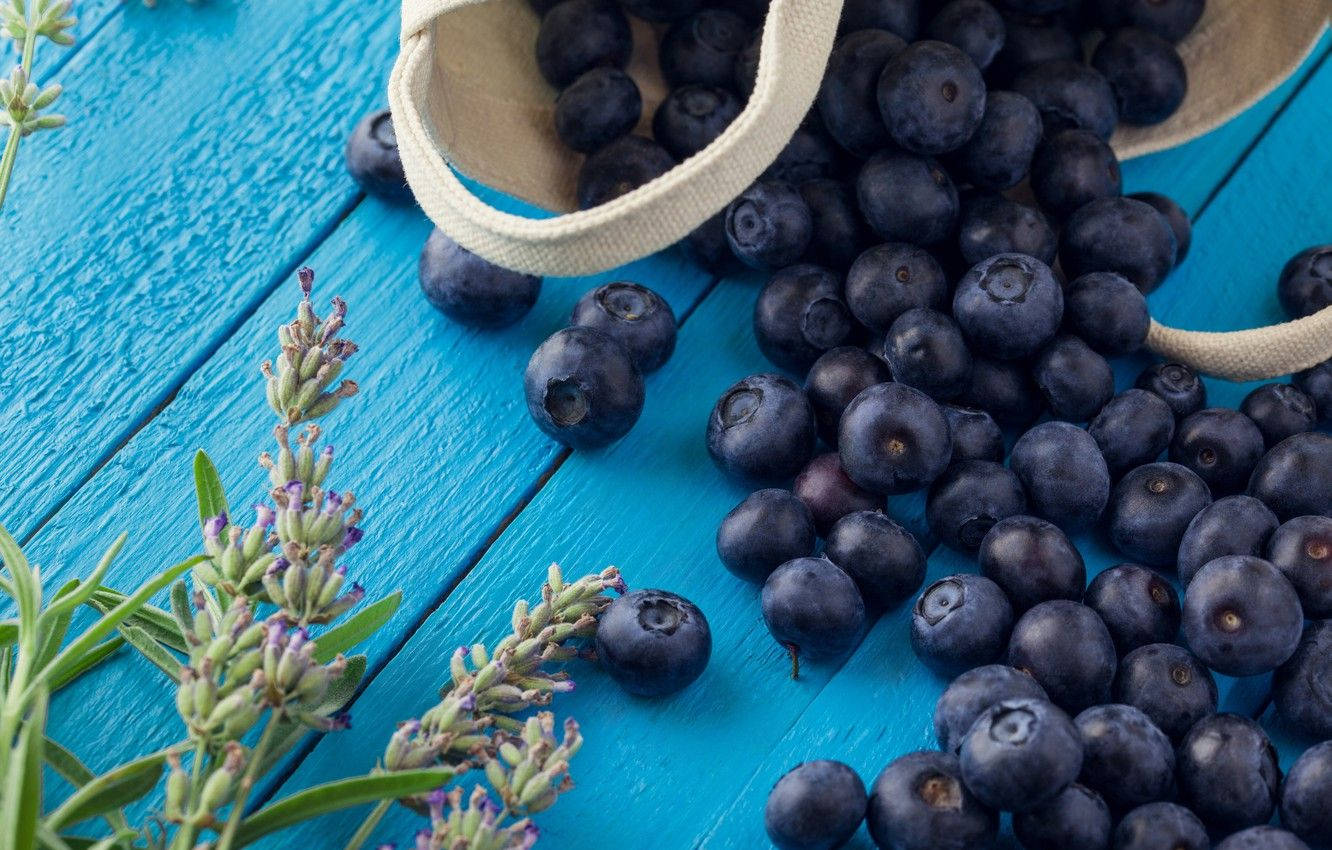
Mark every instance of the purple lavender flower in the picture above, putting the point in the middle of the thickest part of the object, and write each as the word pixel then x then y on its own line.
pixel 214 525
pixel 352 536
pixel 306 276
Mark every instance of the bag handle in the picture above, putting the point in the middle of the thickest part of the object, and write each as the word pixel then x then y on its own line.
pixel 1250 355
pixel 797 39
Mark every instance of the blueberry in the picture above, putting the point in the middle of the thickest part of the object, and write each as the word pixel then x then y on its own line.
pixel 960 622
pixel 969 498
pixel 1294 478
pixel 1305 286
pixel 999 153
pixel 1009 306
pixel 813 608
pixel 1177 384
pixel 583 388
pixel 1234 525
pixel 829 494
pixel 1168 684
pixel 1305 792
pixel 1029 41
pixel 1125 757
pixel 1119 235
pixel 1063 472
pixel 579 35
pixel 887 280
pixel 919 798
pixel 881 556
pixel 925 350
pixel 753 11
pixel 1302 549
pixel 1145 73
pixel 1137 606
pixel 907 198
pixel 1069 95
pixel 900 17
pixel 597 108
pixel 932 98
pixel 1175 216
pixel 762 428
pixel 661 10
pixel 1004 389
pixel 767 529
pixel 1151 508
pixel 638 318
pixel 1223 446
pixel 1075 381
pixel 894 439
pixel 1161 826
pixel 1077 817
pixel 840 234
pixel 373 161
pixel 701 49
pixel 1302 687
pixel 1020 754
pixel 1108 312
pixel 653 642
pixel 746 66
pixel 1170 19
pixel 800 315
pixel 816 805
pixel 1242 616
pixel 1316 383
pixel 976 436
pixel 971 693
pixel 470 289
pixel 1227 773
pixel 769 225
pixel 1279 411
pixel 1068 650
pixel 689 118
pixel 619 168
pixel 1262 837
pixel 992 224
pixel 1072 169
pixel 707 246
pixel 836 378
pixel 972 26
pixel 1033 561
pixel 1037 7
pixel 809 155
pixel 1133 428
pixel 848 99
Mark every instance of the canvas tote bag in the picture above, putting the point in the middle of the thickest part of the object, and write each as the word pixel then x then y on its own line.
pixel 465 93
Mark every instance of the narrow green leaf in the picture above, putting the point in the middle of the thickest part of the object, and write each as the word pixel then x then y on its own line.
pixel 150 649
pixel 66 764
pixel 6 657
pixel 8 632
pixel 120 838
pixel 208 487
pixel 357 628
pixel 181 611
pixel 99 653
pixel 117 787
pixel 51 630
pixel 21 806
pixel 26 588
pixel 48 839
pixel 335 796
pixel 288 734
pixel 71 597
pixel 156 622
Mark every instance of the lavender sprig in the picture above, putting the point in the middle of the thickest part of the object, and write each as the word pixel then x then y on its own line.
pixel 22 98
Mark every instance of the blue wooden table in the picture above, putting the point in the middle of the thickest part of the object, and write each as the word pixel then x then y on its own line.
pixel 148 253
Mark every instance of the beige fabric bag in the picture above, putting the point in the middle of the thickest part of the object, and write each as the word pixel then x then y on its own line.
pixel 465 92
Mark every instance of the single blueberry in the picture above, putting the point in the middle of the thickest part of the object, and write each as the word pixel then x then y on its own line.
pixel 1068 650
pixel 1305 792
pixel 992 224
pixel 707 246
pixel 1063 472
pixel 1279 411
pixel 976 436
pixel 1033 561
pixel 1020 754
pixel 1305 286
pixel 887 280
pixel 932 98
pixel 829 494
pixel 701 49
pixel 971 693
pixel 579 35
pixel 1126 758
pixel 969 498
pixel 1294 478
pixel 1009 306
pixel 1262 837
pixel 1151 508
pixel 1145 72
pixel 1161 826
pixel 619 168
pixel 907 198
pixel 637 317
pixel 1004 389
pixel 799 315
pixel 1108 312
pixel 1078 817
pixel 960 622
pixel 840 234
pixel 900 17
pixel 809 155
pixel 769 225
pixel 813 608
pixel 1031 40
pixel 837 377
pixel 882 557
pixel 1234 525
pixel 999 153
pixel 973 26
pixel 1072 169
pixel 653 642
pixel 1137 606
pixel 1227 773
pixel 920 797
pixel 816 805
pixel 1302 687
pixel 1075 381
pixel 599 107
pixel 1069 95
pixel 1119 235
pixel 373 161
pixel 661 10
pixel 762 428
pixel 753 11
pixel 767 529
pixel 1177 384
pixel 1222 445
pixel 1168 684
pixel 849 96
pixel 1316 383
pixel 1170 19
pixel 894 439
pixel 1242 616
pixel 583 388
pixel 689 118
pixel 1134 428
pixel 746 66
pixel 924 349
pixel 1175 216
pixel 471 290
pixel 1302 549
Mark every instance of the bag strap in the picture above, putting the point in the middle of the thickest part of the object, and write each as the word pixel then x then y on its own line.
pixel 797 38
pixel 1251 355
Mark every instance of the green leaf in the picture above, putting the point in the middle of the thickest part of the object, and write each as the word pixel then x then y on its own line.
pixel 335 796
pixel 21 806
pixel 26 589
pixel 357 628
pixel 76 773
pixel 117 787
pixel 208 487
pixel 9 630
pixel 150 649
pixel 48 839
pixel 71 597
pixel 95 656
pixel 156 622
pixel 181 612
